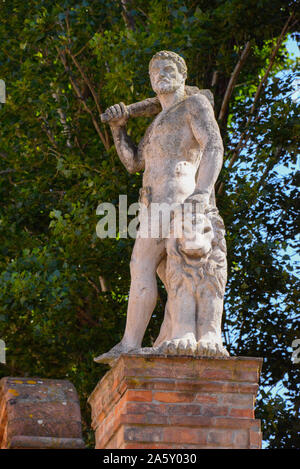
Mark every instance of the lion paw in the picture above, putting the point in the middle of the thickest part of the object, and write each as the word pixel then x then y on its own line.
pixel 211 349
pixel 183 346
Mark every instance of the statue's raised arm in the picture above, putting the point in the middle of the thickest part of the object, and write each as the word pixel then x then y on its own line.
pixel 117 117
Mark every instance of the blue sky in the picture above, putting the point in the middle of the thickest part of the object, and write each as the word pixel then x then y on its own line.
pixel 294 53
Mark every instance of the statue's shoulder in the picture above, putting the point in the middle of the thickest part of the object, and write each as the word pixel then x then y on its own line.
pixel 198 102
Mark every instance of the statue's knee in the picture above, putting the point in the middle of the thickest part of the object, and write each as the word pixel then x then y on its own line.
pixel 138 274
pixel 142 267
pixel 134 265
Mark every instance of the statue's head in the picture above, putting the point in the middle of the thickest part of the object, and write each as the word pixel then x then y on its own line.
pixel 167 72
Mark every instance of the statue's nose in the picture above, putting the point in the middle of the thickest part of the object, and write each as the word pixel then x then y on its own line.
pixel 162 74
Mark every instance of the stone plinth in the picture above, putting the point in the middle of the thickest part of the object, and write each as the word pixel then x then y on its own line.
pixel 39 414
pixel 168 402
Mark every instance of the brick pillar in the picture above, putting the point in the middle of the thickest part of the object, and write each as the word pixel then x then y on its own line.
pixel 159 402
pixel 39 414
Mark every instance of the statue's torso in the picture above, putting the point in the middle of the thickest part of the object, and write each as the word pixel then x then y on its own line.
pixel 172 155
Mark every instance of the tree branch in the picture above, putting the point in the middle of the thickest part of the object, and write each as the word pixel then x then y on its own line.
pixel 260 87
pixel 91 88
pixel 232 80
pixel 272 60
pixel 103 283
pixel 129 21
pixel 45 126
pixel 9 170
pixel 80 97
pixel 63 121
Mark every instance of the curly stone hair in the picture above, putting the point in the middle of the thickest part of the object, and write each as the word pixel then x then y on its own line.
pixel 167 54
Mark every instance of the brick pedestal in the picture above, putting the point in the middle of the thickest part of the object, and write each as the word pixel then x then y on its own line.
pixel 176 403
pixel 39 414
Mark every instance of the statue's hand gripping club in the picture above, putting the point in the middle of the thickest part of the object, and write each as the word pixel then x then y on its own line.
pixel 146 108
pixel 116 115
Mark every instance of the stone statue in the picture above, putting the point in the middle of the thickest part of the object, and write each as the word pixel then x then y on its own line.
pixel 181 155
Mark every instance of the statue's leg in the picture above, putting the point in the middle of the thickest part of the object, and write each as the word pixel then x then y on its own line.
pixel 146 256
pixel 209 319
pixel 181 337
pixel 166 324
pixel 178 331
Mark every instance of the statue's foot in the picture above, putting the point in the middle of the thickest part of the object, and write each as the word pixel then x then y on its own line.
pixel 211 349
pixel 113 354
pixel 184 346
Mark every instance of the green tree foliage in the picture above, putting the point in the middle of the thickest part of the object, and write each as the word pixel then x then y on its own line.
pixel 63 291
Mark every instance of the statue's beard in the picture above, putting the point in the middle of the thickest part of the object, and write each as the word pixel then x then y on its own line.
pixel 166 87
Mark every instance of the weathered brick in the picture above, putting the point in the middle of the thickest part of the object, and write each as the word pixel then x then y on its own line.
pixel 206 398
pixel 145 419
pixel 238 400
pixel 191 385
pixel 176 402
pixel 38 390
pixel 40 427
pixel 211 373
pixel 146 408
pixel 241 439
pixel 242 413
pixel 190 421
pixel 4 443
pixel 183 409
pixel 139 445
pixel 42 442
pixel 98 418
pixel 120 407
pixel 139 395
pixel 39 413
pixel 107 430
pixel 213 410
pixel 235 423
pixel 144 434
pixel 183 435
pixel 173 396
pixel 220 438
pixel 117 440
pixel 225 387
pixel 255 439
pixel 247 376
pixel 20 409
